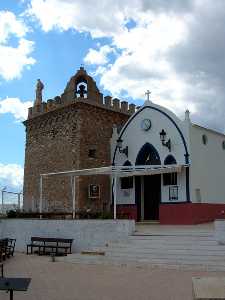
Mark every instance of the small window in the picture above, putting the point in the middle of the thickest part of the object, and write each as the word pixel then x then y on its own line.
pixel 173 193
pixel 204 139
pixel 170 179
pixel 126 183
pixel 92 153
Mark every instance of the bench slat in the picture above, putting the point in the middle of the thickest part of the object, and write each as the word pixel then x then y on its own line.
pixel 43 243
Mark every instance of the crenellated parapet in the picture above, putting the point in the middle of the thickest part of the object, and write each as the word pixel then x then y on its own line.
pixel 81 88
pixel 107 103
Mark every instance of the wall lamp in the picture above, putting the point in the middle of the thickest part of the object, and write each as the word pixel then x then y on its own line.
pixel 120 147
pixel 163 140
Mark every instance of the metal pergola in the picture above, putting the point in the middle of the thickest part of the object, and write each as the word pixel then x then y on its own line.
pixel 115 172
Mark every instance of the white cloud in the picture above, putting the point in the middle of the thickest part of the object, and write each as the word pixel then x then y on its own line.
pixel 98 17
pixel 10 25
pixel 11 175
pixel 143 61
pixel 174 48
pixel 98 57
pixel 16 107
pixel 13 59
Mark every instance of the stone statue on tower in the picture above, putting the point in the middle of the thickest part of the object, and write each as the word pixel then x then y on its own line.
pixel 39 88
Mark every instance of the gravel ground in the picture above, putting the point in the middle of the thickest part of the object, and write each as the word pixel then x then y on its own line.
pixel 65 281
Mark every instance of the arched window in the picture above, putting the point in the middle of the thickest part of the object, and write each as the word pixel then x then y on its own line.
pixel 148 155
pixel 126 182
pixel 170 160
pixel 127 163
pixel 170 178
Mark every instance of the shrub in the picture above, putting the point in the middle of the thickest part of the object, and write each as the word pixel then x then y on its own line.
pixel 11 214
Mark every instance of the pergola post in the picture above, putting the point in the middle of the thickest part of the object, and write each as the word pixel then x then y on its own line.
pixel 73 185
pixel 115 197
pixel 41 197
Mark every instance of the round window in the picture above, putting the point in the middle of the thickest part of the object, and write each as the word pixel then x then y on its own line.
pixel 204 139
pixel 223 145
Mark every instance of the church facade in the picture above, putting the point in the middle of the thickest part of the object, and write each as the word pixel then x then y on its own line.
pixel 175 168
pixel 195 192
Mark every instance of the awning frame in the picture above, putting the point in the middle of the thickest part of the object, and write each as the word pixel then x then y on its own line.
pixel 114 172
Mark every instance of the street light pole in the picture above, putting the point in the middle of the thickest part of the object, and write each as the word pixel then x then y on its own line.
pixel 3 190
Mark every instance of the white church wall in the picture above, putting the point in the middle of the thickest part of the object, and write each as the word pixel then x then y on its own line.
pixel 207 172
pixel 135 137
pixel 125 196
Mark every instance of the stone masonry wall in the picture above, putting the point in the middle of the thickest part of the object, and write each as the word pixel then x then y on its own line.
pixel 95 133
pixel 52 145
pixel 60 140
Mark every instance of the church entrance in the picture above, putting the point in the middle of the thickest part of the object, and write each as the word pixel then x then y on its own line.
pixel 151 197
pixel 148 188
pixel 148 197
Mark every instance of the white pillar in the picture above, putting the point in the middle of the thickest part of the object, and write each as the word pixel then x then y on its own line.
pixel 41 198
pixel 73 186
pixel 18 195
pixel 115 198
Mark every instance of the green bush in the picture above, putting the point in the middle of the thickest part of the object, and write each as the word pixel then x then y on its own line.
pixel 12 214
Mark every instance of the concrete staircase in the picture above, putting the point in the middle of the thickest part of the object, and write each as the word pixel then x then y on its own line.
pixel 171 247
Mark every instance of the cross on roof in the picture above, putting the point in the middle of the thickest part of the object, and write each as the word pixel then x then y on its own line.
pixel 148 93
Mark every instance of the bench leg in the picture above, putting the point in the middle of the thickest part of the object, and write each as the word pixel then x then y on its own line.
pixel 2 270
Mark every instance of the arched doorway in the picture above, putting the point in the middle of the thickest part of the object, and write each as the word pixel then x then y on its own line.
pixel 148 188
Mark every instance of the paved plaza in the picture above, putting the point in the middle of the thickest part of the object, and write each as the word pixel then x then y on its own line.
pixel 65 281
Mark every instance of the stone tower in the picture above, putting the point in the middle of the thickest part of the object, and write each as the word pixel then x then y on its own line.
pixel 69 132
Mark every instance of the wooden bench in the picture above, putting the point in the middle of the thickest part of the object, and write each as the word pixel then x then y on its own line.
pixel 10 247
pixel 7 247
pixel 3 248
pixel 53 246
pixel 2 270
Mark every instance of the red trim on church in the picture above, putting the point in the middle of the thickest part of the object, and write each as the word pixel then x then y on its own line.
pixel 178 214
pixel 190 213
pixel 127 211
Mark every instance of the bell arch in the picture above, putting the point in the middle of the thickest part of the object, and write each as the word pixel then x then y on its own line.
pixel 148 155
pixel 81 87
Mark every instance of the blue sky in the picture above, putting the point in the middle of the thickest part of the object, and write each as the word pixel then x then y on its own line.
pixel 174 48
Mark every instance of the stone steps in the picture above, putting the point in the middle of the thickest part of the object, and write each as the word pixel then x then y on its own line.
pixel 181 252
pixel 186 234
pixel 173 256
pixel 149 260
pixel 193 249
pixel 161 243
pixel 211 247
pixel 143 262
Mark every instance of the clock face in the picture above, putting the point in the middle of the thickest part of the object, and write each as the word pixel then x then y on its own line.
pixel 146 124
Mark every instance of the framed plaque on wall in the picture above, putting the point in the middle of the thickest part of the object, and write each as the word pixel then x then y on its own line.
pixel 94 191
